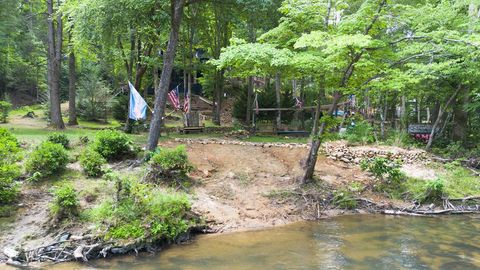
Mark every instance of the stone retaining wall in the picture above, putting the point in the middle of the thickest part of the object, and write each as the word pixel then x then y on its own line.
pixel 348 154
pixel 337 150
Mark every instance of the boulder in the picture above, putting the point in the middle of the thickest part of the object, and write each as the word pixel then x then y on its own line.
pixel 11 252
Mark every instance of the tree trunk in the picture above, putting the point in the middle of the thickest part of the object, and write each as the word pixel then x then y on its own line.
pixel 419 114
pixel 72 90
pixel 403 114
pixel 217 109
pixel 383 117
pixel 161 97
pixel 318 109
pixel 316 142
pixel 460 127
pixel 278 83
pixel 439 116
pixel 248 116
pixel 54 62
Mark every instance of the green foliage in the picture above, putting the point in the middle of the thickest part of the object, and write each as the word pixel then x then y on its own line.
pixel 253 59
pixel 84 140
pixel 434 191
pixel 425 191
pixel 331 124
pixel 93 98
pixel 112 144
pixel 387 173
pixel 47 159
pixel 360 133
pixel 344 198
pixel 453 150
pixel 91 162
pixel 9 169
pixel 142 213
pixel 399 139
pixel 5 108
pixel 120 107
pixel 65 201
pixel 59 138
pixel 459 182
pixel 170 164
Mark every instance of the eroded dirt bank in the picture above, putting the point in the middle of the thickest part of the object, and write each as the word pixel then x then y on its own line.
pixel 235 187
pixel 241 187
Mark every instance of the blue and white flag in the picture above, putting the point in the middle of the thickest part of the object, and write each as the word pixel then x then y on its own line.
pixel 138 106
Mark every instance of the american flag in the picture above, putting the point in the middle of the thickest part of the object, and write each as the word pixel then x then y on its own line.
pixel 186 100
pixel 174 99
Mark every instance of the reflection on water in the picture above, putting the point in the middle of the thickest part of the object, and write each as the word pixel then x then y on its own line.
pixel 349 242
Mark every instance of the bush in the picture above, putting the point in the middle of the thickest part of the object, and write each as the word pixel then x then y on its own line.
pixel 120 107
pixel 6 135
pixel 65 202
pixel 5 108
pixel 361 132
pixel 344 199
pixel 93 97
pixel 9 169
pixel 91 162
pixel 8 187
pixel 59 138
pixel 49 158
pixel 112 144
pixel 170 164
pixel 140 213
pixel 425 191
pixel 387 173
pixel 83 140
pixel 434 191
pixel 400 139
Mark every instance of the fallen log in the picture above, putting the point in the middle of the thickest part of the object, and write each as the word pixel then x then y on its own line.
pixel 400 213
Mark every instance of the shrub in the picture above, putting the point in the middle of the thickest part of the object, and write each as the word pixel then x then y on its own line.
pixel 141 213
pixel 65 201
pixel 7 136
pixel 170 164
pixel 5 108
pixel 112 144
pixel 120 107
pixel 9 169
pixel 400 139
pixel 8 187
pixel 361 132
pixel 84 140
pixel 425 191
pixel 433 191
pixel 93 97
pixel 49 158
pixel 344 199
pixel 59 138
pixel 91 162
pixel 387 173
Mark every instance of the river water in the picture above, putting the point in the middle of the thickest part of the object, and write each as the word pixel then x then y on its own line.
pixel 347 242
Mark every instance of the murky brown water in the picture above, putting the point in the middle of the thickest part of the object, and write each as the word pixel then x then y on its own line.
pixel 349 242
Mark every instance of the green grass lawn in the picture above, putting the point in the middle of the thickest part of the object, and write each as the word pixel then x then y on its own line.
pixel 458 182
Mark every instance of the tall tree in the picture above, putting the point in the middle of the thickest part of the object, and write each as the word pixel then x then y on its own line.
pixel 72 86
pixel 177 7
pixel 54 43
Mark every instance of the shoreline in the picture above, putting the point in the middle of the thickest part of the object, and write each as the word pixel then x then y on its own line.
pixel 255 189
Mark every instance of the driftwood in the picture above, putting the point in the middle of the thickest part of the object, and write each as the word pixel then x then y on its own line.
pixel 467 205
